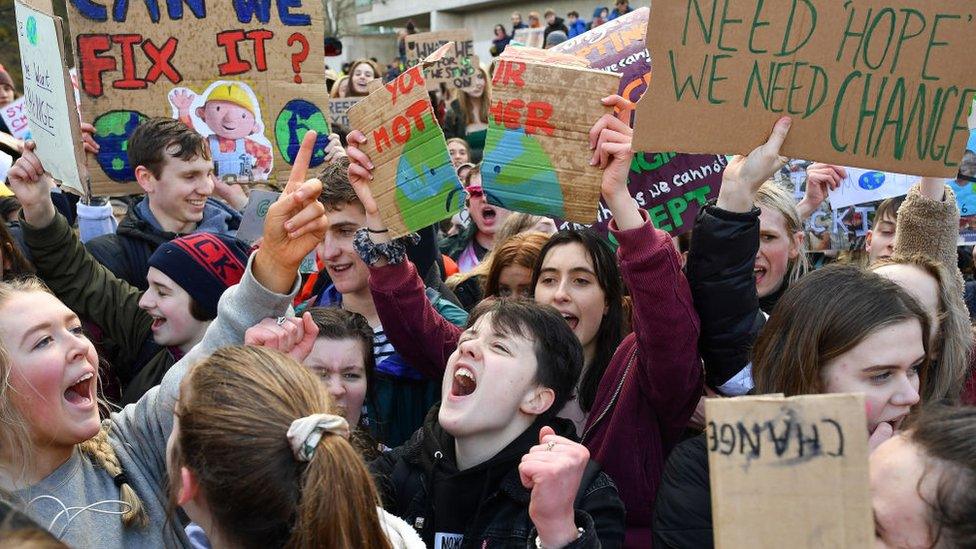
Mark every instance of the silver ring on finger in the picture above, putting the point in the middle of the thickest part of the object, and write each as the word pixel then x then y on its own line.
pixel 550 445
pixel 281 320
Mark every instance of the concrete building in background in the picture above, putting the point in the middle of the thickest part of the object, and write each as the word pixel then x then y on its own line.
pixel 479 16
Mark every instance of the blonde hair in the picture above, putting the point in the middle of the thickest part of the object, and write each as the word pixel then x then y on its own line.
pixel 955 343
pixel 338 86
pixel 15 436
pixel 774 197
pixel 467 104
pixel 258 493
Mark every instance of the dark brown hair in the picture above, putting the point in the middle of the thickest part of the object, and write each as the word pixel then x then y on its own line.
pixel 824 315
pixel 234 412
pixel 158 138
pixel 19 266
pixel 337 191
pixel 947 436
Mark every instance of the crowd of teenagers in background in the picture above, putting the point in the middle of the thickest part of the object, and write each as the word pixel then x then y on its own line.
pixel 490 381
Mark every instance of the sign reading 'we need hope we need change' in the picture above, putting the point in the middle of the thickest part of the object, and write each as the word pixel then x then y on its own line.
pixel 878 84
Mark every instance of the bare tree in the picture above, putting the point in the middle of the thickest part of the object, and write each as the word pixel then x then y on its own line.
pixel 339 16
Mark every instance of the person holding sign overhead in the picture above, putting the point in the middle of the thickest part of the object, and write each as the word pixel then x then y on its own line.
pixel 638 393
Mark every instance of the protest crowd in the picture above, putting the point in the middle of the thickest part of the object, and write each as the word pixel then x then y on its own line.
pixel 286 358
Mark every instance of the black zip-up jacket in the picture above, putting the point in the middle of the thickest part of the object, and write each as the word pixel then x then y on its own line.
pixel 720 267
pixel 404 477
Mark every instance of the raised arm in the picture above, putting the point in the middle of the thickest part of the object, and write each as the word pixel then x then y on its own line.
pixel 665 323
pixel 421 335
pixel 294 225
pixel 928 224
pixel 77 278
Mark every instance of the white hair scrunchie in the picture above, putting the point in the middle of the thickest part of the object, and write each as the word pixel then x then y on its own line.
pixel 305 433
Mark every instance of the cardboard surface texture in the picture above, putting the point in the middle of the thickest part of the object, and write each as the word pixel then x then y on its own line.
pixel 49 101
pixel 867 83
pixel 789 472
pixel 414 182
pixel 243 74
pixel 457 68
pixel 671 186
pixel 537 153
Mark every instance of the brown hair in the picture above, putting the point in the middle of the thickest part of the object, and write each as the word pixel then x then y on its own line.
pixel 467 104
pixel 258 493
pixel 157 139
pixel 352 68
pixel 947 436
pixel 954 341
pixel 824 315
pixel 888 208
pixel 19 266
pixel 336 189
pixel 15 435
pixel 337 86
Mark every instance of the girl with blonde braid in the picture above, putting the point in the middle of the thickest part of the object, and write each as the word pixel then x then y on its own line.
pixel 102 483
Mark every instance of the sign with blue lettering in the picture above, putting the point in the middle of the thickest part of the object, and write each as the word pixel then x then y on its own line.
pixel 239 72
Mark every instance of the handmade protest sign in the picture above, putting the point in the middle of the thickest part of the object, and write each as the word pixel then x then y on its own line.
pixel 239 73
pixel 456 68
pixel 789 472
pixel 537 153
pixel 530 38
pixel 863 186
pixel 339 110
pixel 49 100
pixel 672 186
pixel 16 119
pixel 414 181
pixel 874 84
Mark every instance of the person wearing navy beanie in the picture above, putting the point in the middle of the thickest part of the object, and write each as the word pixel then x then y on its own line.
pixel 204 265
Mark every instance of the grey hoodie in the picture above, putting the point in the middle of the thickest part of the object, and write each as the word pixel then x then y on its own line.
pixel 139 433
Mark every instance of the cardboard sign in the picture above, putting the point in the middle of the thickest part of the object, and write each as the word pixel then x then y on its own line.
pixel 868 84
pixel 414 181
pixel 48 96
pixel 863 186
pixel 537 152
pixel 339 110
pixel 16 119
pixel 789 472
pixel 672 186
pixel 530 38
pixel 242 74
pixel 456 68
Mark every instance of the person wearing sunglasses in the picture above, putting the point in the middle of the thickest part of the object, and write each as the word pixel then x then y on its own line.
pixel 471 245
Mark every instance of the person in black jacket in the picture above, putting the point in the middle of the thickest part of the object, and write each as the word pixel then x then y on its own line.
pixel 492 465
pixel 173 166
pixel 554 23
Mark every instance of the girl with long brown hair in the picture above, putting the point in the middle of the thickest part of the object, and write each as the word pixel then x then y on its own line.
pixel 467 117
pixel 259 457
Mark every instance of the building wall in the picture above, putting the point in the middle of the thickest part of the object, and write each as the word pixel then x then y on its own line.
pixel 479 17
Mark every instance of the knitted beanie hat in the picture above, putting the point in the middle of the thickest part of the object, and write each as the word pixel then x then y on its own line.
pixel 203 264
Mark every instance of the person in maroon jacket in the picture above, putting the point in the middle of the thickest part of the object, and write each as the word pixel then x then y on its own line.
pixel 645 394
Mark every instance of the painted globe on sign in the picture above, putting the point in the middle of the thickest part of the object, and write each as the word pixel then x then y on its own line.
pixel 112 131
pixel 871 180
pixel 294 121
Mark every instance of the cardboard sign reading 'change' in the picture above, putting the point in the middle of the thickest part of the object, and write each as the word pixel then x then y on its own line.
pixel 244 75
pixel 414 182
pixel 789 472
pixel 874 83
pixel 537 153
